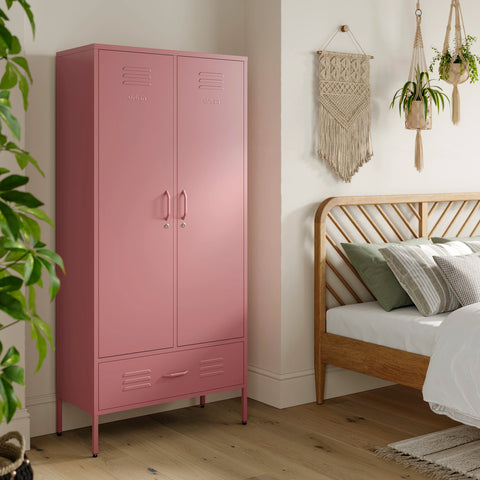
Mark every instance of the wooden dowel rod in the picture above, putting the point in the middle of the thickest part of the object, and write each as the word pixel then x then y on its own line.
pixel 319 52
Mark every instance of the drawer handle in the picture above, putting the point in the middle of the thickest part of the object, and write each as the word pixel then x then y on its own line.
pixel 176 374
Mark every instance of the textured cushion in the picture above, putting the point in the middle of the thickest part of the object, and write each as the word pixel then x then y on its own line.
pixel 452 239
pixel 377 276
pixel 419 275
pixel 462 274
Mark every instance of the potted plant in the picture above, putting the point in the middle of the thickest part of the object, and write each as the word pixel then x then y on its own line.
pixel 415 99
pixel 457 68
pixel 23 255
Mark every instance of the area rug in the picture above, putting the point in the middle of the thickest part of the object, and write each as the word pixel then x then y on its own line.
pixel 452 454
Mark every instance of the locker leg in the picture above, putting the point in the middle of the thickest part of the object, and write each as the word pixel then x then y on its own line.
pixel 59 417
pixel 202 401
pixel 244 406
pixel 95 435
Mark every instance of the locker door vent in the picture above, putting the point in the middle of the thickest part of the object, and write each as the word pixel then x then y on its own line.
pixel 211 366
pixel 210 81
pixel 141 76
pixel 136 380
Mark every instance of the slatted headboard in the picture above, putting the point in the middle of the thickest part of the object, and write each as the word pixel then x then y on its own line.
pixel 379 219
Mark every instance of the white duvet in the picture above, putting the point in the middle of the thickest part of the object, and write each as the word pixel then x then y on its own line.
pixel 452 384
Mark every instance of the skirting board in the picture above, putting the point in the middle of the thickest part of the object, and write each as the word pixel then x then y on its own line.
pixel 42 409
pixel 19 423
pixel 297 388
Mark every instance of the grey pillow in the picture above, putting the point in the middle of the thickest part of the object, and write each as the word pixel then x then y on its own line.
pixel 376 274
pixel 462 273
pixel 418 274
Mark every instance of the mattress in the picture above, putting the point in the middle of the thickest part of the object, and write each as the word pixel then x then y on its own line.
pixel 404 328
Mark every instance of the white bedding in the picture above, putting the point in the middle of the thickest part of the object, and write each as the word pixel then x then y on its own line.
pixel 452 384
pixel 404 328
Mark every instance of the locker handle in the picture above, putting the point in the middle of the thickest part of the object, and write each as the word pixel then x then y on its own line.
pixel 185 204
pixel 167 193
pixel 176 374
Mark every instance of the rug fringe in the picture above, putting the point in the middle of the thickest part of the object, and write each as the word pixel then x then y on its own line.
pixel 423 466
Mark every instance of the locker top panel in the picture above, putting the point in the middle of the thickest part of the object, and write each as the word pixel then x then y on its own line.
pixel 97 46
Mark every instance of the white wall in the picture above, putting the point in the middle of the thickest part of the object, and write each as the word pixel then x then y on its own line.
pixel 213 26
pixel 385 29
pixel 264 155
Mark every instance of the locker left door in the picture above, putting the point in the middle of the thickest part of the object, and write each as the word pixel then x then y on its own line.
pixel 135 208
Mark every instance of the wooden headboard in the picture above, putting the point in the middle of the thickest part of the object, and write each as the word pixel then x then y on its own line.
pixel 379 219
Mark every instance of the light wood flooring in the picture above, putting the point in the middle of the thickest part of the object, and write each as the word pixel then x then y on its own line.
pixel 334 441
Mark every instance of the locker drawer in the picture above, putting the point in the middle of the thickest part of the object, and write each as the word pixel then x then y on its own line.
pixel 145 379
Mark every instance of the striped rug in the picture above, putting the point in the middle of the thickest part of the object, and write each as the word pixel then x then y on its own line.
pixel 452 454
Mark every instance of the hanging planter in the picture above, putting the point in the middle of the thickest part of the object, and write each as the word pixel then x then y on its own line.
pixel 456 64
pixel 417 96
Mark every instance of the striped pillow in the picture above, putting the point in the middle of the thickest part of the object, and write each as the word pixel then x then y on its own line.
pixel 417 272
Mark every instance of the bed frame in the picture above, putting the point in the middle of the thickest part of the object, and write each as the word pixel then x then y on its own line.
pixel 376 219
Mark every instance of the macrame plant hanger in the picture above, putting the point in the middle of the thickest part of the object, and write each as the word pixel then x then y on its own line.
pixel 458 71
pixel 415 119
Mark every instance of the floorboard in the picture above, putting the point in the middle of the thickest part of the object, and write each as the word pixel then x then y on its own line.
pixel 334 441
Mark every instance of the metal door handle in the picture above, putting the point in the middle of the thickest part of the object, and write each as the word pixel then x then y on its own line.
pixel 167 193
pixel 176 374
pixel 185 204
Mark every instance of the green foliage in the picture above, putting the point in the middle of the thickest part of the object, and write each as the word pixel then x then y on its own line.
pixel 24 258
pixel 469 59
pixel 419 90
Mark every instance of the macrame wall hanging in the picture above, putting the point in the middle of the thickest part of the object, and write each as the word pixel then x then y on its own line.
pixel 344 109
pixel 418 115
pixel 454 68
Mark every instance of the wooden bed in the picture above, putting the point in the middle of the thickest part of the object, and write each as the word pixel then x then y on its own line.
pixel 376 219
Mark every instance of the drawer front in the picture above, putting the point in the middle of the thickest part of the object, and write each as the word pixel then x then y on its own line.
pixel 144 379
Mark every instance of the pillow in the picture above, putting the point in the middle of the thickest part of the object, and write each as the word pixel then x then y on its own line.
pixel 459 239
pixel 462 273
pixel 474 246
pixel 418 274
pixel 375 273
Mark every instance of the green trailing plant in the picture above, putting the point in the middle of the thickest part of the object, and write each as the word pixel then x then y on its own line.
pixel 419 90
pixel 23 255
pixel 470 60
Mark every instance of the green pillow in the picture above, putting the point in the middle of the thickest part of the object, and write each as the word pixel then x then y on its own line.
pixel 452 239
pixel 374 271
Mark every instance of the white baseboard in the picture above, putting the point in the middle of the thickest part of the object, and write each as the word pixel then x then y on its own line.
pixel 297 388
pixel 42 409
pixel 19 423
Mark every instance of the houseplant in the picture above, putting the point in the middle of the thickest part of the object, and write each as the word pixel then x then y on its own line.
pixel 457 68
pixel 415 99
pixel 23 255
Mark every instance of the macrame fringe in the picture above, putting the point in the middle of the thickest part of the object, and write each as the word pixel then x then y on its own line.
pixel 432 470
pixel 419 151
pixel 345 150
pixel 455 105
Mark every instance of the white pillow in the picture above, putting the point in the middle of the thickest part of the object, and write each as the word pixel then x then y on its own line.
pixel 416 271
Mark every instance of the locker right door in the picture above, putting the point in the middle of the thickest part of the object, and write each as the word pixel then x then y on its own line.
pixel 210 195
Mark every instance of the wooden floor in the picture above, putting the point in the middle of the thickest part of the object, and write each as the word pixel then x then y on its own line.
pixel 309 442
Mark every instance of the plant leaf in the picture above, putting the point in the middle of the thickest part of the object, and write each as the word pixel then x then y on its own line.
pixel 9 79
pixel 54 257
pixel 12 306
pixel 21 198
pixel 22 62
pixel 15 374
pixel 36 273
pixel 37 213
pixel 41 344
pixel 13 181
pixel 10 120
pixel 54 281
pixel 10 283
pixel 10 400
pixel 11 219
pixel 11 357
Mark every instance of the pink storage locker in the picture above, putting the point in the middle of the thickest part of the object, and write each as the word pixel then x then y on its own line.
pixel 151 223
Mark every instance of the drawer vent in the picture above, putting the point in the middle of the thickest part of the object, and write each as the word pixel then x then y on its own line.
pixel 136 380
pixel 210 81
pixel 141 76
pixel 211 366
